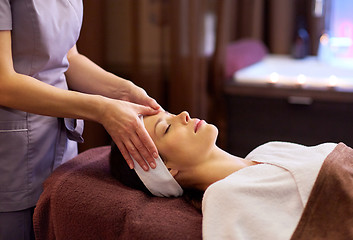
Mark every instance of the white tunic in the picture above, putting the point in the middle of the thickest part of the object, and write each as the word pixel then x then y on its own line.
pixel 264 201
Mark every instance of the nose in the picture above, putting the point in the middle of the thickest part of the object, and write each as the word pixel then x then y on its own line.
pixel 185 117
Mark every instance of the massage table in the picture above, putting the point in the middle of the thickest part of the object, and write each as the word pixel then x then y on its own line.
pixel 81 200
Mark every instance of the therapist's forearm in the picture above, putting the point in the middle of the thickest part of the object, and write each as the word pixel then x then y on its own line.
pixel 30 95
pixel 85 76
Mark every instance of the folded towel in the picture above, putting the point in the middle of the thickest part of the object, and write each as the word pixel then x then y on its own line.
pixel 243 53
pixel 329 212
pixel 158 181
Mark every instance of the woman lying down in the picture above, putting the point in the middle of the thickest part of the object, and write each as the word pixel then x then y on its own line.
pixel 269 194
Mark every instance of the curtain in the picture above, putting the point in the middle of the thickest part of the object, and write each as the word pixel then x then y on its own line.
pixel 188 58
pixel 92 44
pixel 164 46
pixel 274 21
pixel 175 49
pixel 169 47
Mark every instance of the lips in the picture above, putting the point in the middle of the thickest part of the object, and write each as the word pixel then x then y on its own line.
pixel 198 124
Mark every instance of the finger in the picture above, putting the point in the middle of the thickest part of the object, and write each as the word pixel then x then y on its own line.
pixel 161 109
pixel 148 143
pixel 143 151
pixel 134 152
pixel 153 104
pixel 125 154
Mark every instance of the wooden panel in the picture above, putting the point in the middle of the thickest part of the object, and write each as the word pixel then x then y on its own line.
pixel 270 91
pixel 253 121
pixel 91 44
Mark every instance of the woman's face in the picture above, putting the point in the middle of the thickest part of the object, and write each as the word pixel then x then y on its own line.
pixel 181 141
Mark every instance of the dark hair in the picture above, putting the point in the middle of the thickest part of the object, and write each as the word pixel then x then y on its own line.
pixel 122 172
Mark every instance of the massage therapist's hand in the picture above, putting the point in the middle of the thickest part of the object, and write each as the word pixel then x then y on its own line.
pixel 120 115
pixel 121 120
pixel 138 95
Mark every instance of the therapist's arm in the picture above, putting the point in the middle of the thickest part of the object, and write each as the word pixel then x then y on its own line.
pixel 86 76
pixel 27 94
pixel 132 138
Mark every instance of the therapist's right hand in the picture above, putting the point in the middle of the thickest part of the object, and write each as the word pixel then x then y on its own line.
pixel 122 122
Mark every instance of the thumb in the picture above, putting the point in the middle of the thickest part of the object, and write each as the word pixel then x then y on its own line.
pixel 153 104
pixel 148 110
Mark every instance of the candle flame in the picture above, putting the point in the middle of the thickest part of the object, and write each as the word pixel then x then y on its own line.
pixel 301 79
pixel 274 77
pixel 332 82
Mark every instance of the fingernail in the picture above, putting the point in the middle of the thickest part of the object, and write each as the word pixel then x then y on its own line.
pixel 145 167
pixel 155 155
pixel 153 165
pixel 131 166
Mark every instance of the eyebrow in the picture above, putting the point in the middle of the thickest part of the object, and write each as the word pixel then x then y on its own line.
pixel 158 121
pixel 155 126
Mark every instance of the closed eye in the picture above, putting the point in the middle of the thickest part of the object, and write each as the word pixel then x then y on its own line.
pixel 166 131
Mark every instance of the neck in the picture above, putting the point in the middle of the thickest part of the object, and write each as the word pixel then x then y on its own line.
pixel 218 165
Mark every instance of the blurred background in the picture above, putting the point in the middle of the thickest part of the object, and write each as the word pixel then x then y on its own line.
pixel 186 53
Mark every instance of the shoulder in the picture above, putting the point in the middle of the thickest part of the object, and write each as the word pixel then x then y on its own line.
pixel 5 15
pixel 243 201
pixel 286 151
pixel 249 180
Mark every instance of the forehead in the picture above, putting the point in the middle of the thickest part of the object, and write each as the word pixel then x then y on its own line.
pixel 150 121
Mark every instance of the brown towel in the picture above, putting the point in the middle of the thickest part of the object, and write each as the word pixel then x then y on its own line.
pixel 329 211
pixel 81 200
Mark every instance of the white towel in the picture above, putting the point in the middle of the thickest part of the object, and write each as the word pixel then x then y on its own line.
pixel 158 181
pixel 263 201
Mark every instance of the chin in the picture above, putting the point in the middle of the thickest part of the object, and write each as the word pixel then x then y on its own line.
pixel 213 127
pixel 213 132
pixel 208 133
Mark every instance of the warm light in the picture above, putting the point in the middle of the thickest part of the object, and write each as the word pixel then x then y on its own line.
pixel 274 77
pixel 301 79
pixel 324 39
pixel 332 82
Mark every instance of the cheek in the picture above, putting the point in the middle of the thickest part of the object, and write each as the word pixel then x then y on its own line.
pixel 171 146
pixel 175 149
pixel 181 146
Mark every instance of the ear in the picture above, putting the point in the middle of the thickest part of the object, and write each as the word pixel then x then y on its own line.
pixel 173 172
